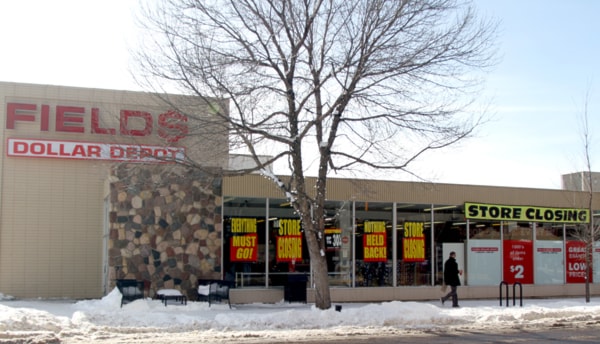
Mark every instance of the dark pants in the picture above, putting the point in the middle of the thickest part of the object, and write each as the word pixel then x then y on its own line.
pixel 452 293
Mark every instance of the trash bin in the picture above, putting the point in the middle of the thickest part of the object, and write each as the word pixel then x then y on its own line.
pixel 295 288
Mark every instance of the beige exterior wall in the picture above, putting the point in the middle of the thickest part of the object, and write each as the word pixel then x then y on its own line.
pixel 52 220
pixel 52 228
pixel 418 193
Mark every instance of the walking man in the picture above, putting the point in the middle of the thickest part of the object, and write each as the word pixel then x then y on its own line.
pixel 451 278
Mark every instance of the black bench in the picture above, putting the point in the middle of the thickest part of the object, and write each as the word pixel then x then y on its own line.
pixel 130 289
pixel 214 290
pixel 171 294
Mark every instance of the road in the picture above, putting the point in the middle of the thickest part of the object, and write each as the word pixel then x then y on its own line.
pixel 557 333
pixel 567 335
pixel 570 330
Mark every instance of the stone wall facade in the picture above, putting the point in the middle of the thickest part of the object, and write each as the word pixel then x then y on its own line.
pixel 164 227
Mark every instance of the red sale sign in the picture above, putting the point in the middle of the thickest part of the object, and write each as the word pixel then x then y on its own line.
pixel 576 262
pixel 518 261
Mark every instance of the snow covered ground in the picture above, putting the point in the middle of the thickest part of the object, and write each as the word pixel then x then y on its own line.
pixel 149 321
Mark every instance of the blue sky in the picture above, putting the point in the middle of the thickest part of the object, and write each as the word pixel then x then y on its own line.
pixel 550 58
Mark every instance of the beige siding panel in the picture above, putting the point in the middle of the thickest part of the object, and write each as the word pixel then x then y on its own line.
pixel 412 192
pixel 51 239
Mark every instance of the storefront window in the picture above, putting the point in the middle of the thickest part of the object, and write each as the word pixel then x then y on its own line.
pixel 576 231
pixel 484 253
pixel 413 235
pixel 450 233
pixel 244 239
pixel 517 252
pixel 549 231
pixel 288 253
pixel 339 242
pixel 373 244
pixel 517 230
pixel 484 230
pixel 549 253
pixel 264 243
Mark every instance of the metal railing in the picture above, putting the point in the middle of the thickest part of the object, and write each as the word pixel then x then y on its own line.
pixel 277 279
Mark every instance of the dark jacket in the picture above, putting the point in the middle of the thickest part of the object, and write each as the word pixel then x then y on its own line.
pixel 451 273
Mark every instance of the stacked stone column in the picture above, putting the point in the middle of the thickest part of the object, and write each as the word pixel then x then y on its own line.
pixel 165 227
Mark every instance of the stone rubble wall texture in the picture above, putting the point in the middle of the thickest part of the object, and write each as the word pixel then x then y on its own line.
pixel 165 227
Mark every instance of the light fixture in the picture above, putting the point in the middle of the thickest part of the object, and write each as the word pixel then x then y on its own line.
pixel 404 206
pixel 441 208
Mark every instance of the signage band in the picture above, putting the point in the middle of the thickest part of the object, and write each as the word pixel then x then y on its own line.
pixel 35 148
pixel 482 211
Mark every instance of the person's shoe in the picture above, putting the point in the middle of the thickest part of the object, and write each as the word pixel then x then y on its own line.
pixel 442 299
pixel 455 306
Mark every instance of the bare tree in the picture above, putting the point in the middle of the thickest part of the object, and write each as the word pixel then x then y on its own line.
pixel 324 85
pixel 588 233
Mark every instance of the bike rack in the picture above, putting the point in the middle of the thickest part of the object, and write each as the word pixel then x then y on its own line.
pixel 503 283
pixel 500 287
pixel 515 294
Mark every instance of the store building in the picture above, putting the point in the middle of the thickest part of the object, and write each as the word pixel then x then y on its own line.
pixel 72 212
pixel 89 196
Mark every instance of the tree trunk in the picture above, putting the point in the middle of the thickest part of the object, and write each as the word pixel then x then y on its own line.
pixel 588 268
pixel 318 263
pixel 321 279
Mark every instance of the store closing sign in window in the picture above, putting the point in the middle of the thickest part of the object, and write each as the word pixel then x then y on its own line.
pixel 243 243
pixel 413 242
pixel 289 240
pixel 375 241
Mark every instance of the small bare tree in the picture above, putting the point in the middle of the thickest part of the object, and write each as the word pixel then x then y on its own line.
pixel 588 233
pixel 324 85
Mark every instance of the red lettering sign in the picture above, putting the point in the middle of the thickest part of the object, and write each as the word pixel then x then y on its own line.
pixel 67 121
pixel 375 247
pixel 19 112
pixel 96 129
pixel 289 248
pixel 243 248
pixel 484 249
pixel 92 151
pixel 171 126
pixel 146 120
pixel 576 266
pixel 518 261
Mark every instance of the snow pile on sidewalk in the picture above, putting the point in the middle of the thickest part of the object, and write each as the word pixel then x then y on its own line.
pixel 68 321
